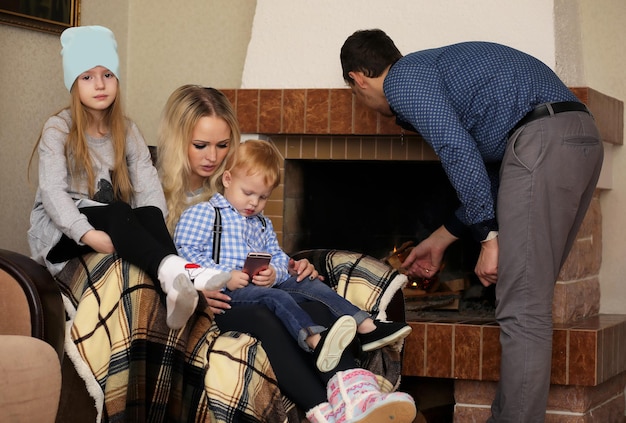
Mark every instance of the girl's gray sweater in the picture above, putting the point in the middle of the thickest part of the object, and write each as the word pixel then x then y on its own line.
pixel 58 197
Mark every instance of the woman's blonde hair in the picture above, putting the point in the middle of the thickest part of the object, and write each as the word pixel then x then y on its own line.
pixel 77 153
pixel 184 108
pixel 257 157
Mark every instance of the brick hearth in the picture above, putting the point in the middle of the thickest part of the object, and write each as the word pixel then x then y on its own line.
pixel 589 354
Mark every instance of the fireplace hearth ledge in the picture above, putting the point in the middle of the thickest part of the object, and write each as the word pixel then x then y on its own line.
pixel 588 370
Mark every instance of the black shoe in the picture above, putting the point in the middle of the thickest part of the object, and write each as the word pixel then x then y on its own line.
pixel 385 333
pixel 334 340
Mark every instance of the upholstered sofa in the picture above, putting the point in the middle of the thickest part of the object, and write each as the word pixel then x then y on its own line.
pixel 32 332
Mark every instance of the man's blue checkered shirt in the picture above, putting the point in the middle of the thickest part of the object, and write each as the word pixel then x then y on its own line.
pixel 464 99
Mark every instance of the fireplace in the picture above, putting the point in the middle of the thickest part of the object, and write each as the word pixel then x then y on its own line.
pixel 328 126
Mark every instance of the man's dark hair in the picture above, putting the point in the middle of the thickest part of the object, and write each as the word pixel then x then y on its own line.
pixel 369 51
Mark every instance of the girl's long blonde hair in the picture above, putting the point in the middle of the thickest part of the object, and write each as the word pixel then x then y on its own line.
pixel 77 153
pixel 184 108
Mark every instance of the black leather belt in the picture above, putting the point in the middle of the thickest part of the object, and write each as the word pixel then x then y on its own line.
pixel 543 111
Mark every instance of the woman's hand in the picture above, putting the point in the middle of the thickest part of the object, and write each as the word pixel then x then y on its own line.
pixel 100 241
pixel 218 301
pixel 303 268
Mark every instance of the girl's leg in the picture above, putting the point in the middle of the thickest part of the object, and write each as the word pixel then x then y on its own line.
pixel 141 237
pixel 128 229
pixel 66 249
pixel 151 218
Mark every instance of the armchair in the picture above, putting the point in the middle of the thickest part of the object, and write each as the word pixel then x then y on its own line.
pixel 31 341
pixel 32 319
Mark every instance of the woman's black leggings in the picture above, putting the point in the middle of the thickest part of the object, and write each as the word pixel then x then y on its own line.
pixel 298 377
pixel 139 236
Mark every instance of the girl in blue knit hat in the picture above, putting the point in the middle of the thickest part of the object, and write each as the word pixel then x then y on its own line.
pixel 98 190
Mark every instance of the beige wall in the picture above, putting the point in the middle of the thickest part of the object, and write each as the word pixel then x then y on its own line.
pixel 301 39
pixel 294 44
pixel 183 42
pixel 31 89
pixel 603 40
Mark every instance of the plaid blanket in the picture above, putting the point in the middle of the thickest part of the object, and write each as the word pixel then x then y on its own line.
pixel 363 280
pixel 137 369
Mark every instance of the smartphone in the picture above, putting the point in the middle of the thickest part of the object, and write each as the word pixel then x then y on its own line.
pixel 256 262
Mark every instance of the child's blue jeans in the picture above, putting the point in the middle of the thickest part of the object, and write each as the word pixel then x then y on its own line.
pixel 283 301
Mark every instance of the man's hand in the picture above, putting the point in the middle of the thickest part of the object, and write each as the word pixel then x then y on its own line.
pixel 100 241
pixel 424 260
pixel 487 265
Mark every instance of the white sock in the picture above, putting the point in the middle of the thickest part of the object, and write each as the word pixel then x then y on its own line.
pixel 203 278
pixel 181 301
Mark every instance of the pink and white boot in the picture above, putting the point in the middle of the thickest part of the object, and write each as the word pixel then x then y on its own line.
pixel 356 398
pixel 322 413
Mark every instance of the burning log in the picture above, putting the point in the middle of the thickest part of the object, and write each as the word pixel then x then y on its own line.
pixel 397 256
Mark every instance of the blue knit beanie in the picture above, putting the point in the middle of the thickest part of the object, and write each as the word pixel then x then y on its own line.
pixel 84 48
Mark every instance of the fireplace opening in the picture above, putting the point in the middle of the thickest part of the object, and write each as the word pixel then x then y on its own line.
pixel 367 206
pixel 372 207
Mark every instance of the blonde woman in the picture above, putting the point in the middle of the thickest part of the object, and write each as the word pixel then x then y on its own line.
pixel 198 133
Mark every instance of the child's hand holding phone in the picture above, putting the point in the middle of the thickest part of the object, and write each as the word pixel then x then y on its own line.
pixel 256 262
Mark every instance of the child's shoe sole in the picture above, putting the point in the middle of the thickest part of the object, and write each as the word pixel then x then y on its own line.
pixel 339 336
pixel 398 408
pixel 389 339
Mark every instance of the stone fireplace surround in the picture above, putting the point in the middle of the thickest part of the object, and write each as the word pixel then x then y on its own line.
pixel 589 349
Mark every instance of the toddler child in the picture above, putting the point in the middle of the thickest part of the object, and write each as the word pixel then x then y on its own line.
pixel 249 179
